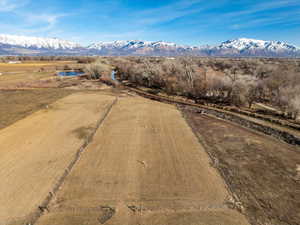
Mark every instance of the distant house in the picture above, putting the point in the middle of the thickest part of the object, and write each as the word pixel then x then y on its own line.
pixel 14 62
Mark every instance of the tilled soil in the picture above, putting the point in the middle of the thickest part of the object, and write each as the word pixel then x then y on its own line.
pixel 36 151
pixel 144 166
pixel 261 171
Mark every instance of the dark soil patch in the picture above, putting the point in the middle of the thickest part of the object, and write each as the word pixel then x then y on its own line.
pixel 259 170
pixel 17 104
pixel 107 214
pixel 83 132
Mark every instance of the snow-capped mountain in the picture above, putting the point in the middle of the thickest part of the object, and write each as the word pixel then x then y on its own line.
pixel 239 47
pixel 249 44
pixel 252 47
pixel 133 44
pixel 243 47
pixel 136 47
pixel 37 42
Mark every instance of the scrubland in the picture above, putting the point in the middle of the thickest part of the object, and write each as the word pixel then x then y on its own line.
pixel 238 82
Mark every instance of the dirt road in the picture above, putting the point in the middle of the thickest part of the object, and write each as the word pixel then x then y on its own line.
pixel 35 151
pixel 144 166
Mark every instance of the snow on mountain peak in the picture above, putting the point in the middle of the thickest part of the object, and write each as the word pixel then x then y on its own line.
pixel 37 42
pixel 131 44
pixel 253 44
pixel 245 47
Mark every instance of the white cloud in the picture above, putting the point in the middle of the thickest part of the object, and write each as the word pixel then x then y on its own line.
pixel 10 5
pixel 29 22
pixel 47 21
pixel 34 24
pixel 264 6
pixel 169 12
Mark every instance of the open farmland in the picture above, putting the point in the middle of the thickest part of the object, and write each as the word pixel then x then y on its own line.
pixel 31 72
pixel 145 166
pixel 36 151
pixel 17 104
pixel 28 66
pixel 88 154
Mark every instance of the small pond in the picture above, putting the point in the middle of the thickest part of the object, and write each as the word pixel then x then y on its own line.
pixel 113 75
pixel 70 73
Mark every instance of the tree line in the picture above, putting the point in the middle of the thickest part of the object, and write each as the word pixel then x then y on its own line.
pixel 222 81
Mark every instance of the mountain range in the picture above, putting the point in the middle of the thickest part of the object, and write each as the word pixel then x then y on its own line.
pixel 243 47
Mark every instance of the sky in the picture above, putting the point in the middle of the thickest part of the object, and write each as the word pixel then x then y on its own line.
pixel 191 22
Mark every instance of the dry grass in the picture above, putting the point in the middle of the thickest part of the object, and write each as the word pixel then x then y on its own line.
pixel 260 170
pixel 36 151
pixel 16 105
pixel 16 75
pixel 32 65
pixel 13 79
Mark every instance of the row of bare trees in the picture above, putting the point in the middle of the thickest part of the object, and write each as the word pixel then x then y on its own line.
pixel 79 59
pixel 224 81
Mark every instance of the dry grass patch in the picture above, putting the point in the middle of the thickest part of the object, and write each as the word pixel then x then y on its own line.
pixel 16 105
pixel 32 65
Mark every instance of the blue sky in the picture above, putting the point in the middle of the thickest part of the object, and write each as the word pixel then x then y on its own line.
pixel 193 22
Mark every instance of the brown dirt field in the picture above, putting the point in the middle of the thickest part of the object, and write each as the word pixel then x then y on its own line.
pixel 23 77
pixel 35 151
pixel 18 104
pixel 144 166
pixel 32 73
pixel 32 65
pixel 263 172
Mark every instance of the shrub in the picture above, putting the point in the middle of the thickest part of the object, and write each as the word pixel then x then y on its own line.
pixel 96 70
